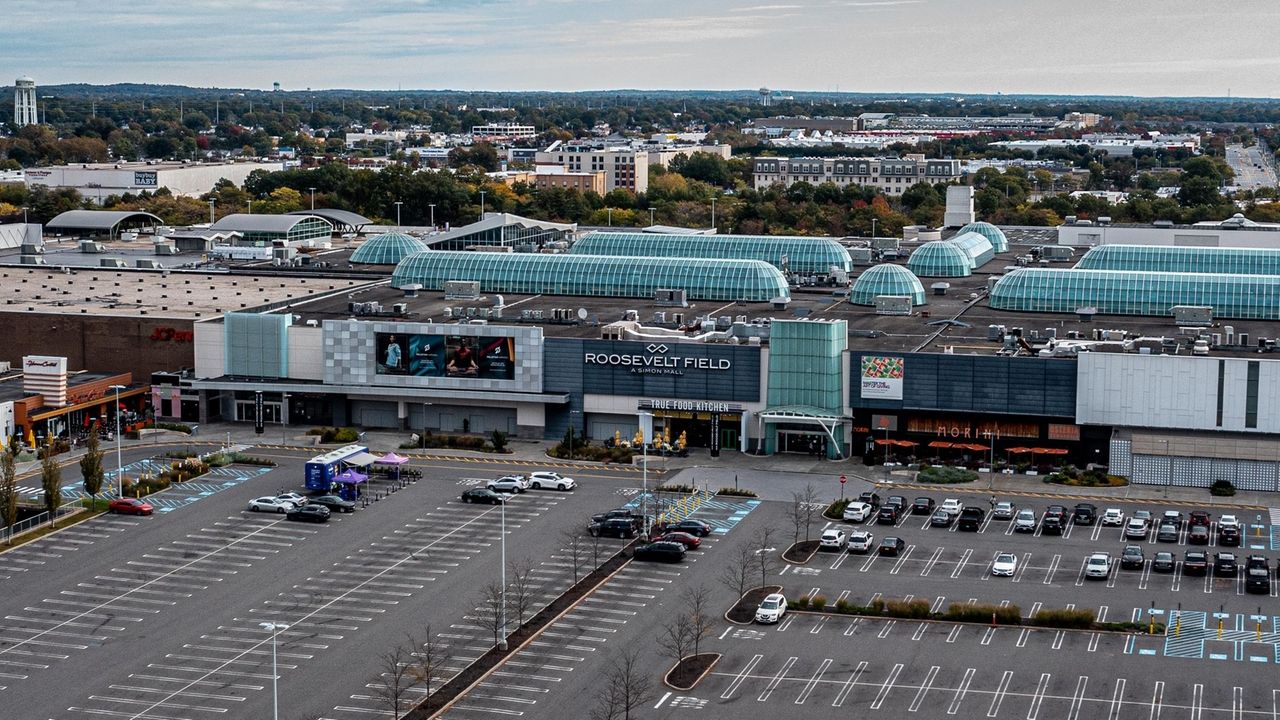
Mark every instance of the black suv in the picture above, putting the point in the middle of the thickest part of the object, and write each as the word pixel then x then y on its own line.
pixel 1257 575
pixel 1086 513
pixel 871 499
pixel 922 506
pixel 1195 562
pixel 1224 564
pixel 613 527
pixel 888 515
pixel 619 514
pixel 971 517
pixel 1052 524
pixel 1229 536
pixel 1132 558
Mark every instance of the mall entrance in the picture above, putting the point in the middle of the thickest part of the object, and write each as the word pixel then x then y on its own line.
pixel 698 428
pixel 802 442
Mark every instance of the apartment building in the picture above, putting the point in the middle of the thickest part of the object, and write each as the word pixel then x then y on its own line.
pixel 891 175
pixel 623 167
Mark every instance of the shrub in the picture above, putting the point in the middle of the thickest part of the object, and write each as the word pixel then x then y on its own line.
pixel 498 440
pixel 843 606
pixel 176 427
pixel 335 435
pixel 673 488
pixel 1064 618
pixel 836 509
pixel 818 602
pixel 800 603
pixel 982 612
pixel 876 607
pixel 946 475
pixel 1222 488
pixel 912 609
pixel 736 492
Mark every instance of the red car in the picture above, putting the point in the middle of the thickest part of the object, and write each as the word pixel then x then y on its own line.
pixel 690 542
pixel 129 506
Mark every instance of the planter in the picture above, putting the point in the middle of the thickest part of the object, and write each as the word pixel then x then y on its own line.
pixel 802 552
pixel 686 674
pixel 743 612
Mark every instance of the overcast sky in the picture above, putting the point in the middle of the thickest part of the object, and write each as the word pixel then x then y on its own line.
pixel 1121 47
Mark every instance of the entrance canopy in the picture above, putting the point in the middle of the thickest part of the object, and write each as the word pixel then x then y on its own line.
pixel 363 459
pixel 828 420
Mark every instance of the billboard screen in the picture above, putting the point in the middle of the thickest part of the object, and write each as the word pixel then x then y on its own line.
pixel 456 356
pixel 882 377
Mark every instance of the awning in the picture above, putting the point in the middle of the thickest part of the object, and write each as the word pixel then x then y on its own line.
pixel 1019 450
pixel 1048 451
pixel 392 459
pixel 363 459
pixel 973 446
pixel 351 477
pixel 945 444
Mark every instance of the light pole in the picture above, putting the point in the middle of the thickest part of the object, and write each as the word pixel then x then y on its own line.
pixel 433 215
pixel 991 439
pixel 398 204
pixel 482 193
pixel 274 628
pixel 119 462
pixel 644 471
pixel 313 198
pixel 713 213
pixel 212 202
pixel 502 644
pixel 873 227
pixel 284 415
pixel 250 206
pixel 650 216
pixel 610 211
pixel 24 214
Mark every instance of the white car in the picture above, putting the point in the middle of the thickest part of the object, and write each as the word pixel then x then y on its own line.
pixel 858 511
pixel 1228 521
pixel 832 539
pixel 1098 566
pixel 551 479
pixel 1005 565
pixel 1025 521
pixel 952 506
pixel 271 504
pixel 509 483
pixel 293 497
pixel 1113 516
pixel 771 609
pixel 1004 510
pixel 861 541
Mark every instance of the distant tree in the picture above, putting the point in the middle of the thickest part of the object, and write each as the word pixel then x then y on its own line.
pixel 764 550
pixel 51 479
pixel 394 679
pixel 430 656
pixel 575 550
pixel 91 467
pixel 520 588
pixel 701 619
pixel 627 686
pixel 8 487
pixel 737 570
pixel 489 611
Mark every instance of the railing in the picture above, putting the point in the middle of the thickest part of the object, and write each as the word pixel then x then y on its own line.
pixel 35 521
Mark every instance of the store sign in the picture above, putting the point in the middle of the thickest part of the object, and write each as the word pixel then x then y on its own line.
pixel 882 377
pixel 705 406
pixel 656 361
pixel 964 430
pixel 168 334
pixel 44 365
pixel 257 412
pixel 144 179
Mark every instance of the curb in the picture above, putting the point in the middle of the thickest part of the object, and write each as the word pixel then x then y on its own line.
pixel 55 531
pixel 731 607
pixel 696 680
pixel 800 562
pixel 943 621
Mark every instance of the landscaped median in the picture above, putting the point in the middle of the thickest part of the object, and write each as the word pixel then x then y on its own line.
pixel 979 613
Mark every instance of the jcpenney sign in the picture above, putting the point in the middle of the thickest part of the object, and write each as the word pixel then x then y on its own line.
pixel 657 361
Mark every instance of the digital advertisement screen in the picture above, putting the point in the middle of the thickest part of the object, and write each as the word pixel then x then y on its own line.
pixel 456 356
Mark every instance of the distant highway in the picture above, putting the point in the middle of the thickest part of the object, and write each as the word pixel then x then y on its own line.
pixel 1252 169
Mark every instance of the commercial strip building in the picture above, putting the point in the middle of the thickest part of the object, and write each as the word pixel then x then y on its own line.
pixel 891 175
pixel 1119 145
pixel 98 181
pixel 1235 231
pixel 42 397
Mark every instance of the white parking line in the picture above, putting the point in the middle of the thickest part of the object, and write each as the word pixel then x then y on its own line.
pixel 961 690
pixel 924 689
pixel 998 696
pixel 1077 700
pixel 1157 701
pixel 1038 696
pixel 740 677
pixel 777 679
pixel 886 686
pixel 849 684
pixel 813 681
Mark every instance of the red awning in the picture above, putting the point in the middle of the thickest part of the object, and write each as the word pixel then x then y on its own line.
pixel 1048 451
pixel 943 444
pixel 1020 450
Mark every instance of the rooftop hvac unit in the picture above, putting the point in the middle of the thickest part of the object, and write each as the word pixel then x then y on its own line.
pixel 537 315
pixel 940 288
pixel 1199 315
pixel 632 315
pixel 31 260
pixel 1085 314
pixel 400 308
pixel 995 332
pixel 283 253
pixel 1230 334
pixel 147 264
pixel 525 315
pixel 671 297
pixel 893 304
pixel 660 318
pixel 461 290
pixel 860 256
pixel 89 246
pixel 167 249
pixel 32 248
pixel 677 318
pixel 448 313
pixel 1243 339
pixel 112 263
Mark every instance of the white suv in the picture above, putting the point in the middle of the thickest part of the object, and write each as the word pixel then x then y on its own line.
pixel 832 539
pixel 861 541
pixel 509 483
pixel 1098 566
pixel 1113 516
pixel 551 479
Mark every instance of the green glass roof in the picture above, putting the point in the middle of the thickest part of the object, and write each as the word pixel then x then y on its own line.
pixel 976 246
pixel 1128 292
pixel 802 254
pixel 886 279
pixel 940 259
pixel 595 275
pixel 387 249
pixel 1156 258
pixel 992 233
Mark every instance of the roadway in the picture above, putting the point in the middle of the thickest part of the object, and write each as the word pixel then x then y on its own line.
pixel 1252 169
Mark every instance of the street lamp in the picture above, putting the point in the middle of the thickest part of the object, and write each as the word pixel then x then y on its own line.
pixel 650 216
pixel 274 628
pixel 713 213
pixel 433 215
pixel 119 462
pixel 313 198
pixel 482 193
pixel 284 415
pixel 398 204
pixel 250 206
pixel 644 477
pixel 212 202
pixel 502 644
pixel 873 227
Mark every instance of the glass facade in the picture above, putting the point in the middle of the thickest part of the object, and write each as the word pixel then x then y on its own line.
pixel 992 233
pixel 387 249
pixel 256 345
pixel 886 279
pixel 976 246
pixel 595 275
pixel 1156 258
pixel 940 259
pixel 511 235
pixel 1125 292
pixel 806 365
pixel 801 254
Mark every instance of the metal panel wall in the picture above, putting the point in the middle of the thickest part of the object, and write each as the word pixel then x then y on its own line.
pixel 978 383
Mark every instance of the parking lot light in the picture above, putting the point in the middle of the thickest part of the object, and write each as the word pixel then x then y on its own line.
pixel 275 628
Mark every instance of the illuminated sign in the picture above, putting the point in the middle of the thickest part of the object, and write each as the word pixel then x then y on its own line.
pixel 456 356
pixel 657 362
pixel 168 334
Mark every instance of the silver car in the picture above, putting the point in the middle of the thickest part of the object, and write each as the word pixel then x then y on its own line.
pixel 1025 521
pixel 1003 510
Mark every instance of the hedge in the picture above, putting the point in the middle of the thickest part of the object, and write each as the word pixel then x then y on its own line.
pixel 1058 618
pixel 946 475
pixel 736 492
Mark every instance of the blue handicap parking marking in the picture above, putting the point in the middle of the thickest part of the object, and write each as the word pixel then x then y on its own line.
pixel 1217 656
pixel 1146 651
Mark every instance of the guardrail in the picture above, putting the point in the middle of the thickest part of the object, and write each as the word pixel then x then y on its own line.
pixel 35 521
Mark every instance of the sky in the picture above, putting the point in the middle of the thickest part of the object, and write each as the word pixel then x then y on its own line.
pixel 1108 47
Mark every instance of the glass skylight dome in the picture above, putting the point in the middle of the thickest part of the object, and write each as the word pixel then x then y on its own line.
pixel 940 259
pixel 387 249
pixel 992 233
pixel 886 279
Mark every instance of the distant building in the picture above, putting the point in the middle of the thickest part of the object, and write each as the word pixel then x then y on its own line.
pixel 623 167
pixel 24 102
pixel 549 176
pixel 503 131
pixel 98 181
pixel 1119 145
pixel 891 175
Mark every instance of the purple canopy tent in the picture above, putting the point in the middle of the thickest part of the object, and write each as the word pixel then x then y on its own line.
pixel 351 481
pixel 393 459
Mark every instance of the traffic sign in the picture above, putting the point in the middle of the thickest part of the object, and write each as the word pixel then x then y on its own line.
pixel 843 479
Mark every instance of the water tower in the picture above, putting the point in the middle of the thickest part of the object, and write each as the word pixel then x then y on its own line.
pixel 24 102
pixel 766 97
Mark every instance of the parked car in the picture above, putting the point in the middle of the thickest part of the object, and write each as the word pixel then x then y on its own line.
pixel 1198 535
pixel 1257 575
pixel 1005 565
pixel 271 504
pixel 1135 529
pixel 1168 532
pixel 550 479
pixel 972 517
pixel 1098 566
pixel 309 513
pixel 1224 564
pixel 1085 513
pixel 891 546
pixel 771 609
pixel 860 541
pixel 1058 511
pixel 1143 515
pixel 1199 518
pixel 1052 525
pixel 509 483
pixel 897 501
pixel 1004 510
pixel 832 539
pixel 1195 562
pixel 1229 535
pixel 334 503
pixel 1113 517
pixel 482 495
pixel 1228 521
pixel 129 506
pixel 613 527
pixel 689 542
pixel 922 506
pixel 620 513
pixel 858 511
pixel 1132 558
pixel 660 552
pixel 952 506
pixel 1172 516
pixel 693 527
pixel 941 518
pixel 887 515
pixel 1163 562
pixel 870 498
pixel 293 497
pixel 1025 521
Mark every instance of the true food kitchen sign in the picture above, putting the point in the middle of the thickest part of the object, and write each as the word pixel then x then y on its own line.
pixel 657 361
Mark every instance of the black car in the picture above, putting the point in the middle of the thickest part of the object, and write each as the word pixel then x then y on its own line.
pixel 1257 575
pixel 693 527
pixel 483 495
pixel 623 513
pixel 1132 558
pixel 1163 562
pixel 613 527
pixel 1168 532
pixel 334 503
pixel 1198 535
pixel 1052 524
pixel 922 506
pixel 897 501
pixel 1195 562
pixel 891 546
pixel 1229 536
pixel 887 515
pixel 309 513
pixel 1172 516
pixel 971 517
pixel 941 518
pixel 1085 513
pixel 871 499
pixel 1224 564
pixel 660 552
